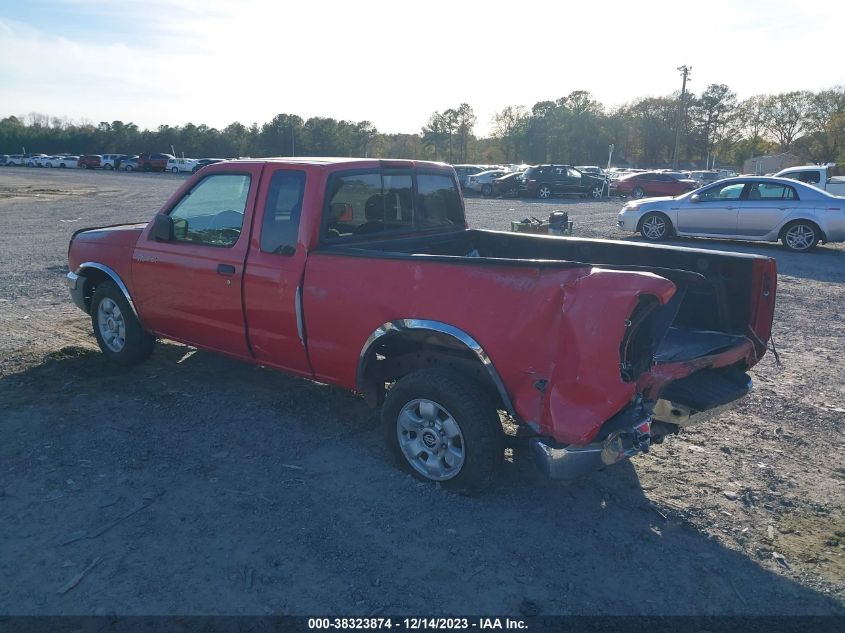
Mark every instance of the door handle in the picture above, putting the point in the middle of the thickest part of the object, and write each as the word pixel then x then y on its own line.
pixel 225 269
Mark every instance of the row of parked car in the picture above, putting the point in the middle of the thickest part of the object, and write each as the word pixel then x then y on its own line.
pixel 551 180
pixel 121 162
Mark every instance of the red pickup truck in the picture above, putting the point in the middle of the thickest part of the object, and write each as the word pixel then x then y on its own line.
pixel 362 273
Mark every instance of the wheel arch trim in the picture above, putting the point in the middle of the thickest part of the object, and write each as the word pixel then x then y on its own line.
pixel 80 270
pixel 397 327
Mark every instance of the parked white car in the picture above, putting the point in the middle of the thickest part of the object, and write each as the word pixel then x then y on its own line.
pixel 68 161
pixel 177 165
pixel 483 182
pixel 15 160
pixel 744 208
pixel 34 160
pixel 107 160
pixel 51 161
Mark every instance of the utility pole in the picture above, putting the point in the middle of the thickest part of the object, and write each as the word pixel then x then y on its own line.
pixel 685 72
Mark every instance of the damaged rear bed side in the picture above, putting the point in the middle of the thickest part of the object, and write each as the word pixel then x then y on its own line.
pixel 576 333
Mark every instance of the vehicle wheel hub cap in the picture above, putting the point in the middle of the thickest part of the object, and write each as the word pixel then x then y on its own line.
pixel 654 228
pixel 111 325
pixel 800 237
pixel 430 439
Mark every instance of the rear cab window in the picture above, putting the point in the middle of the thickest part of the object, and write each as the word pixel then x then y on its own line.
pixel 372 202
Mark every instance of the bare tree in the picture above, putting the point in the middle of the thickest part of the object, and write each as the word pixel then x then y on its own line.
pixel 785 115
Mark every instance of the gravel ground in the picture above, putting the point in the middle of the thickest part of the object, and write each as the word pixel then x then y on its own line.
pixel 195 484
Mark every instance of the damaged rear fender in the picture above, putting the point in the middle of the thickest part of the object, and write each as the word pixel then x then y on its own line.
pixel 586 385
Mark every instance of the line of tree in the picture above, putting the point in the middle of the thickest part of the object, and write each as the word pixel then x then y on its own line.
pixel 716 129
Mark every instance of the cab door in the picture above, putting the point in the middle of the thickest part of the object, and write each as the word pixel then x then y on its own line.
pixel 189 287
pixel 275 268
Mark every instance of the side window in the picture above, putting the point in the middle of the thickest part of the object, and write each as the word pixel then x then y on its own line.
pixel 360 204
pixel 730 191
pixel 767 191
pixel 573 173
pixel 811 177
pixel 212 213
pixel 280 228
pixel 438 202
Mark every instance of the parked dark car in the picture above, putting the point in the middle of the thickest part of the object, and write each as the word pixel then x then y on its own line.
pixel 90 161
pixel 507 185
pixel 203 162
pixel 547 181
pixel 154 162
pixel 652 184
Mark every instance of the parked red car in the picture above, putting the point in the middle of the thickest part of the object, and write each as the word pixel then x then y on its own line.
pixel 651 184
pixel 90 161
pixel 153 162
pixel 361 273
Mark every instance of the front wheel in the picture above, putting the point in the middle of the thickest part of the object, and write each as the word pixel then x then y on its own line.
pixel 486 190
pixel 175 170
pixel 597 192
pixel 441 426
pixel 119 334
pixel 107 167
pixel 638 193
pixel 800 236
pixel 655 227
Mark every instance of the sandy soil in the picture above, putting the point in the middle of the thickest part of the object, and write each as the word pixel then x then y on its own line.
pixel 196 484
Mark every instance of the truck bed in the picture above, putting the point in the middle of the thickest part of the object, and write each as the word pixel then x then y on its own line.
pixel 711 310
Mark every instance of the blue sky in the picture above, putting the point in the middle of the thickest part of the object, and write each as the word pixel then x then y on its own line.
pixel 394 63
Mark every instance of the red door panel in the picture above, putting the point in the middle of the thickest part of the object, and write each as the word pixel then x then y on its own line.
pixel 192 292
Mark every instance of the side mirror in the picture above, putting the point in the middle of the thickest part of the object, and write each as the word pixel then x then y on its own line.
pixel 694 198
pixel 162 228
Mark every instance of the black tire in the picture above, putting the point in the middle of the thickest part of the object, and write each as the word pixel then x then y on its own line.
pixel 544 191
pixel 107 167
pixel 137 343
pixel 486 190
pixel 638 192
pixel 655 227
pixel 800 236
pixel 175 170
pixel 481 435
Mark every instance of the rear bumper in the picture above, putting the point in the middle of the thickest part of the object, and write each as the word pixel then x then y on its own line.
pixel 685 413
pixel 570 462
pixel 76 285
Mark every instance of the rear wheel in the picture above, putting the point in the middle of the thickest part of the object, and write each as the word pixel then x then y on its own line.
pixel 597 192
pixel 441 426
pixel 655 227
pixel 108 167
pixel 544 192
pixel 800 236
pixel 486 190
pixel 175 170
pixel 119 334
pixel 638 192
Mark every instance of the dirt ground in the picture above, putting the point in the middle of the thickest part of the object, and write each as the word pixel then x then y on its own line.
pixel 194 484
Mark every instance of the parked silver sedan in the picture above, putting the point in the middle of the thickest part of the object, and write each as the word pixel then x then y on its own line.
pixel 745 208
